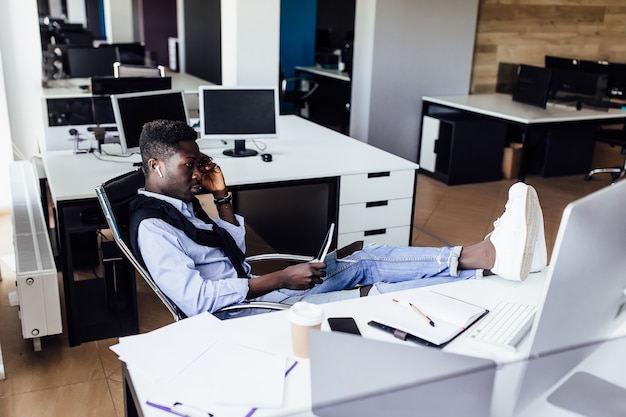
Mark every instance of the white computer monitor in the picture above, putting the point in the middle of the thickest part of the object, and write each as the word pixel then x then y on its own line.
pixel 238 113
pixel 584 298
pixel 133 110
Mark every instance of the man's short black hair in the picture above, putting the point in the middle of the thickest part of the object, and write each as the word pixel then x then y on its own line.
pixel 160 139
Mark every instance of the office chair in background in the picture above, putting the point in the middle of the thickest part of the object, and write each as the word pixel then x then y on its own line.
pixel 294 93
pixel 115 196
pixel 128 70
pixel 613 137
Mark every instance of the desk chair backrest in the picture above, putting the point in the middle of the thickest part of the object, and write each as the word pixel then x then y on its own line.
pixel 295 92
pixel 128 70
pixel 114 197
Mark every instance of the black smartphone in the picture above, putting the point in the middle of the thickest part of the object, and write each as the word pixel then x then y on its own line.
pixel 343 324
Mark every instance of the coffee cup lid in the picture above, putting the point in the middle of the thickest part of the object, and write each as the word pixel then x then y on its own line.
pixel 305 314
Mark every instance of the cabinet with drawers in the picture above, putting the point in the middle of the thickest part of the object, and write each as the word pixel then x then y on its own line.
pixel 376 206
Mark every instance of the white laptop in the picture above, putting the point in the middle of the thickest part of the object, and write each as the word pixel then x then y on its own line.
pixel 355 376
pixel 584 293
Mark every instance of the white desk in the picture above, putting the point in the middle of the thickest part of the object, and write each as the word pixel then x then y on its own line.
pixel 272 332
pixel 361 174
pixel 533 121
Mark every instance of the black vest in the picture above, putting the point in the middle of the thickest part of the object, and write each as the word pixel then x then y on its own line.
pixel 143 207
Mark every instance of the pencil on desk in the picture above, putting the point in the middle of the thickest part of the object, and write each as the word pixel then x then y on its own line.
pixel 417 310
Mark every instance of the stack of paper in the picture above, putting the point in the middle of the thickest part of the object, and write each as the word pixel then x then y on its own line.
pixel 204 364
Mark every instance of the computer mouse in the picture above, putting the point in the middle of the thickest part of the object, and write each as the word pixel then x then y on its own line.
pixel 266 157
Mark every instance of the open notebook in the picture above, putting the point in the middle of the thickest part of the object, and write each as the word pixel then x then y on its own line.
pixel 428 316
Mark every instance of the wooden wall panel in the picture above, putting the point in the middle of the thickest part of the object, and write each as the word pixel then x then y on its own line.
pixel 524 31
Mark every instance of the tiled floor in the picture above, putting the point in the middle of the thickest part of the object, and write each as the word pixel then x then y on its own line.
pixel 86 380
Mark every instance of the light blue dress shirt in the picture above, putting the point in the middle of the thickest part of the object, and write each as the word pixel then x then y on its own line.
pixel 196 277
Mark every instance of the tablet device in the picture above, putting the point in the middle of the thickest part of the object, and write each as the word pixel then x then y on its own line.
pixel 325 244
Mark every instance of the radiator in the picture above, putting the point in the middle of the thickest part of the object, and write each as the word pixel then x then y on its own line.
pixel 36 274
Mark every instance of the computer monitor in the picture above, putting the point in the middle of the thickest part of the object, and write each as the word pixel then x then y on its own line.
pixel 133 53
pixel 557 62
pixel 616 73
pixel 532 84
pixel 506 78
pixel 238 113
pixel 584 292
pixel 113 85
pixel 577 86
pixel 84 62
pixel 133 110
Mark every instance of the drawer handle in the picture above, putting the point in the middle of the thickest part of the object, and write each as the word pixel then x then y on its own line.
pixel 379 174
pixel 377 203
pixel 374 232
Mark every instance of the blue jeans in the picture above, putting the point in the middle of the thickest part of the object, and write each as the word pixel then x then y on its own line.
pixel 387 268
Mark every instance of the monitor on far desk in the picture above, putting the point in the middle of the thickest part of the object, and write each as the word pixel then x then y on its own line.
pixel 133 110
pixel 532 84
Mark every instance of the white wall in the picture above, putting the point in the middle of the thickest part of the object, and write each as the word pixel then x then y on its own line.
pixel 77 12
pixel 419 47
pixel 250 42
pixel 6 155
pixel 118 21
pixel 20 95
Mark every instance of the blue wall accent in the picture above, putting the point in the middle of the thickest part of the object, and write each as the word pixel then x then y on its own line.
pixel 297 34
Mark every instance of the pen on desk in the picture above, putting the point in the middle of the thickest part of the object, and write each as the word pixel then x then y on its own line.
pixel 424 316
pixel 418 311
pixel 181 410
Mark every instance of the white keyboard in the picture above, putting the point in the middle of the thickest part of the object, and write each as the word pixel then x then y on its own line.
pixel 505 325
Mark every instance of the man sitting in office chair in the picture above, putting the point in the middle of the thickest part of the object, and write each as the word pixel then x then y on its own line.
pixel 199 262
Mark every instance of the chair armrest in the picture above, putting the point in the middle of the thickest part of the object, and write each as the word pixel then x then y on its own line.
pixel 278 256
pixel 254 304
pixel 312 86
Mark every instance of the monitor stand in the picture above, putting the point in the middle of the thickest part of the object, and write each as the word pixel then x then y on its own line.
pixel 240 149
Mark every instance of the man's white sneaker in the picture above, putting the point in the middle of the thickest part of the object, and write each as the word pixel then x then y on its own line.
pixel 515 233
pixel 540 253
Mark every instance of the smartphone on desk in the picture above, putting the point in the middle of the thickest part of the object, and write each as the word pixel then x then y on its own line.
pixel 343 324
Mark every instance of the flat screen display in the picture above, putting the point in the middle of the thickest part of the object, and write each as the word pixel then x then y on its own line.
pixel 83 62
pixel 532 85
pixel 133 110
pixel 238 113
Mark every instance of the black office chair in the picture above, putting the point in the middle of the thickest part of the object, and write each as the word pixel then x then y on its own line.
pixel 294 93
pixel 613 137
pixel 115 196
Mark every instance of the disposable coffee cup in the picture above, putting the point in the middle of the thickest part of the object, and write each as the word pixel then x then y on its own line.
pixel 303 317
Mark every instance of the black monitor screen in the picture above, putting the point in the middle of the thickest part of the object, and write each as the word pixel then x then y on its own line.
pixel 133 53
pixel 238 112
pixel 616 73
pixel 556 62
pixel 102 110
pixel 532 84
pixel 133 110
pixel 89 62
pixel 577 85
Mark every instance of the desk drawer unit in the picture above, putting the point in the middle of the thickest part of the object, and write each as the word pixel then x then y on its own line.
pixel 376 206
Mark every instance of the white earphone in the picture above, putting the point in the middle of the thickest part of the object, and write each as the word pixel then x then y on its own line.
pixel 159 171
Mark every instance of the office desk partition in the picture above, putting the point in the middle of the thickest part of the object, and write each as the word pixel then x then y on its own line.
pixel 373 195
pixel 556 140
